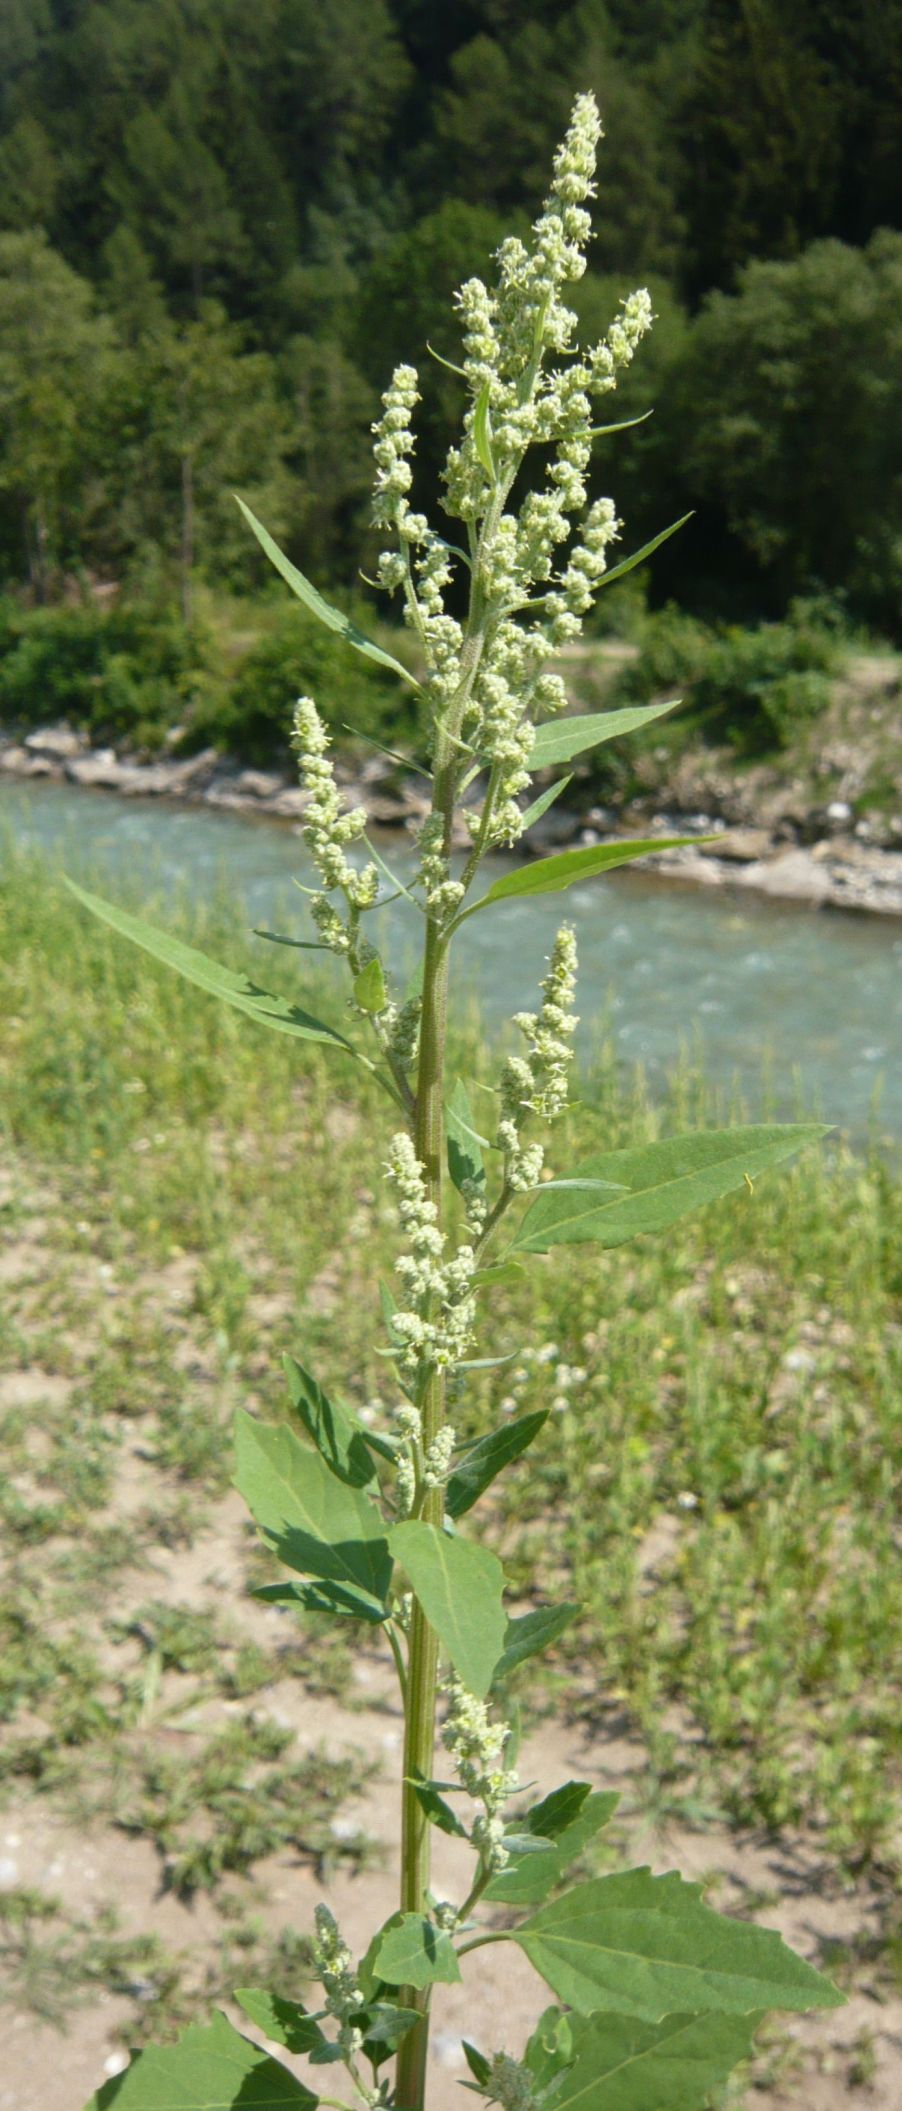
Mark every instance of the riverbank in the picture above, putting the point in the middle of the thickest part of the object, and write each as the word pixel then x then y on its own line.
pixel 819 857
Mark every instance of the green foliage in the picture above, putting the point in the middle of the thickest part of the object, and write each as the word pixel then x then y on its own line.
pixel 459 1586
pixel 128 674
pixel 318 1525
pixel 676 2065
pixel 650 1189
pixel 755 689
pixel 295 657
pixel 413 1952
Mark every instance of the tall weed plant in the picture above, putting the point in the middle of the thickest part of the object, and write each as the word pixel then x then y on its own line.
pixel 653 1997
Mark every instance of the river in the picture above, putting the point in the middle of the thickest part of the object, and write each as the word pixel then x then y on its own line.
pixel 811 1001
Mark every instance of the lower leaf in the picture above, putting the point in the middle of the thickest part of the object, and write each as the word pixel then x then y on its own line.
pixel 211 2068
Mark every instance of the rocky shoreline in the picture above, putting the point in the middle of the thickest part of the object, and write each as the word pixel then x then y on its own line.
pixel 821 860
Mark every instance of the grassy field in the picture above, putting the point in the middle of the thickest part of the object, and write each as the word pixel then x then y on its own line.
pixel 185 1196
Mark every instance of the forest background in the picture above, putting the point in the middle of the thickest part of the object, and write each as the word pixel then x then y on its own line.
pixel 220 226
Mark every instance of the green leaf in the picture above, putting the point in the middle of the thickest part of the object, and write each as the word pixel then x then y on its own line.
pixel 600 432
pixel 298 945
pixel 336 1432
pixel 664 1181
pixel 559 1810
pixel 499 1272
pixel 631 2065
pixel 312 599
pixel 540 806
pixel 647 1946
pixel 562 738
pixel 437 1810
pixel 232 988
pixel 414 1952
pixel 484 1460
pixel 211 2068
pixel 459 1586
pixel 332 1598
pixel 530 1633
pixel 464 1144
pixel 369 987
pixel 479 2066
pixel 313 1522
pixel 529 1879
pixel 384 2025
pixel 628 564
pixel 482 432
pixel 285 2022
pixel 568 867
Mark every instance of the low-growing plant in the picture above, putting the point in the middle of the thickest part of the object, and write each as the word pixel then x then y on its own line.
pixel 656 1997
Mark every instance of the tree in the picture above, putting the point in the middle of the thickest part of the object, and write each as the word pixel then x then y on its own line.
pixel 57 358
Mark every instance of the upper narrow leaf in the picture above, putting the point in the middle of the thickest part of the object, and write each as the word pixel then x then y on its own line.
pixel 337 1434
pixel 630 2065
pixel 529 1633
pixel 482 432
pixel 459 1586
pixel 211 2068
pixel 314 1523
pixel 567 867
pixel 628 564
pixel 464 1143
pixel 232 988
pixel 663 1181
pixel 318 606
pixel 487 1458
pixel 562 738
pixel 648 1946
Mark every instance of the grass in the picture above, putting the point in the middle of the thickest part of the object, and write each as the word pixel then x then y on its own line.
pixel 191 1196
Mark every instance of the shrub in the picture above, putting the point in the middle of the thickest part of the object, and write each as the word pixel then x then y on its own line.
pixel 297 656
pixel 752 688
pixel 126 672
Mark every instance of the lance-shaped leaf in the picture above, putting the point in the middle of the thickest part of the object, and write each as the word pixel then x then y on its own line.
pixel 562 738
pixel 487 1458
pixel 630 2065
pixel 628 564
pixel 313 1522
pixel 437 1810
pixel 412 1951
pixel 568 867
pixel 464 1143
pixel 529 1878
pixel 235 989
pixel 600 432
pixel 648 1946
pixel 336 1432
pixel 384 2026
pixel 482 432
pixel 318 606
pixel 459 1586
pixel 662 1182
pixel 529 1633
pixel 211 2068
pixel 540 806
pixel 286 2023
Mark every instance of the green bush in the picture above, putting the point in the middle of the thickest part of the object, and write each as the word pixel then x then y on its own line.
pixel 298 657
pixel 124 673
pixel 752 688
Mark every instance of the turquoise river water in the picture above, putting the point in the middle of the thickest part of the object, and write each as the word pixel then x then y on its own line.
pixel 809 1000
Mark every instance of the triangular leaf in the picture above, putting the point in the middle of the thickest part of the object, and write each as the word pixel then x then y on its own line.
pixel 562 738
pixel 665 1181
pixel 211 2068
pixel 336 1599
pixel 648 1946
pixel 412 1951
pixel 459 1586
pixel 336 1433
pixel 568 867
pixel 235 989
pixel 318 606
pixel 630 2065
pixel 313 1522
pixel 486 1459
pixel 529 1633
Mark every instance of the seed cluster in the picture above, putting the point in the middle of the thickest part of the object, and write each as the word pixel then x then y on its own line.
pixel 477 1746
pixel 436 1325
pixel 538 1083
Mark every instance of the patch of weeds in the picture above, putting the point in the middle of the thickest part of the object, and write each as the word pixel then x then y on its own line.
pixel 51 1963
pixel 222 1809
